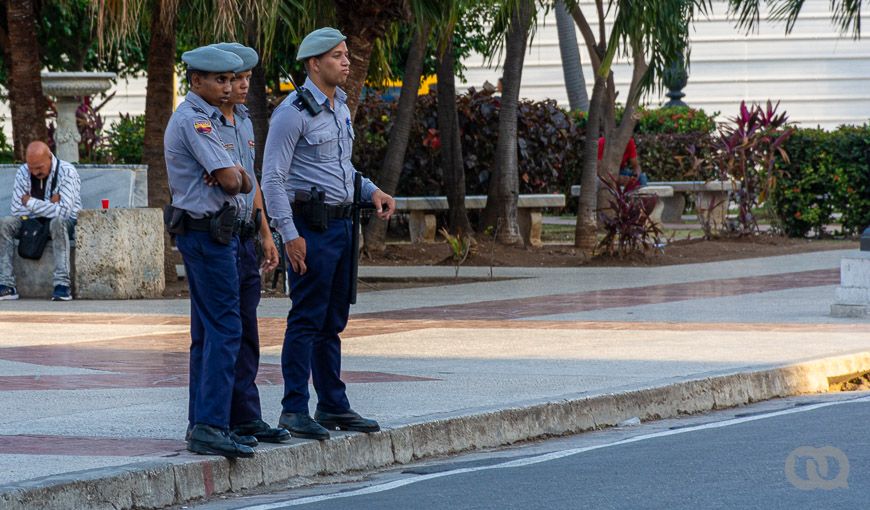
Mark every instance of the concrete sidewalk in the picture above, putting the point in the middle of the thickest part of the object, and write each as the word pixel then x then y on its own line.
pixel 94 393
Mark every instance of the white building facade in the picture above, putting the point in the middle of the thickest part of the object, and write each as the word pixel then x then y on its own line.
pixel 820 77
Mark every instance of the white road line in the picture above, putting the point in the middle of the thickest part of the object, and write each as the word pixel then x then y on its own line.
pixel 545 457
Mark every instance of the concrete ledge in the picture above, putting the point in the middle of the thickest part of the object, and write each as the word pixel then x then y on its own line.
pixel 185 478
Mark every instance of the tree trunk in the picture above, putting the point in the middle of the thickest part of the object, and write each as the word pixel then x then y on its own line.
pixel 159 98
pixel 575 83
pixel 26 100
pixel 375 233
pixel 585 232
pixel 451 145
pixel 361 48
pixel 258 103
pixel 364 22
pixel 501 202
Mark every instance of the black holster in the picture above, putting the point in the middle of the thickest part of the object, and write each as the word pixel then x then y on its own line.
pixel 222 224
pixel 173 218
pixel 315 211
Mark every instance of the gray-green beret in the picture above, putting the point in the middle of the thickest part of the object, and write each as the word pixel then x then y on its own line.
pixel 248 55
pixel 319 42
pixel 211 60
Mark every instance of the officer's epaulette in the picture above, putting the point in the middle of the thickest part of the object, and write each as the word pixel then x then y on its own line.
pixel 197 109
pixel 298 103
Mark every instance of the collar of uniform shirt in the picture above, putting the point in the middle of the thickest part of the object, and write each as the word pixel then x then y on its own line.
pixel 321 98
pixel 201 103
pixel 241 111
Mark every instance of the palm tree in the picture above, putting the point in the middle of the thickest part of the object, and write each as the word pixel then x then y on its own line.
pixel 575 82
pixel 648 33
pixel 400 132
pixel 845 14
pixel 21 52
pixel 364 23
pixel 503 191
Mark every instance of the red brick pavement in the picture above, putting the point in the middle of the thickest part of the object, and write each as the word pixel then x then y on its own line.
pixel 508 309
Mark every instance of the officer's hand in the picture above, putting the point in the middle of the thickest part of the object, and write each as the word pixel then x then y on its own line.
pixel 209 179
pixel 384 204
pixel 296 255
pixel 270 254
pixel 24 199
pixel 55 198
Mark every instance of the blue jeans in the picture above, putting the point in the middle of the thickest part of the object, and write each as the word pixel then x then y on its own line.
pixel 628 172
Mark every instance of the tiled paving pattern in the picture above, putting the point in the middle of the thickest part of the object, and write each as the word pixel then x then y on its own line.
pixel 160 360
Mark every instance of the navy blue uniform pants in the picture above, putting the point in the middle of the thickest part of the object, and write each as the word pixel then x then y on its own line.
pixel 320 311
pixel 215 325
pixel 246 397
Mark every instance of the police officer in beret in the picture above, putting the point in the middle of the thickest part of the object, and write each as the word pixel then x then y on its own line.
pixel 237 132
pixel 307 162
pixel 203 219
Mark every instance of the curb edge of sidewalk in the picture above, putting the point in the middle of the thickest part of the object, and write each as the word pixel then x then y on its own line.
pixel 157 484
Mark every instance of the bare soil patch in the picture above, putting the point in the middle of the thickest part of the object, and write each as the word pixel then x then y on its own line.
pixel 556 255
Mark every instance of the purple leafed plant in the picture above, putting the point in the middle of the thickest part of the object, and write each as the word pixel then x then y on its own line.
pixel 748 148
pixel 625 220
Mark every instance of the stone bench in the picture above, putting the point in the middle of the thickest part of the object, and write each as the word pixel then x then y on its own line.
pixel 711 198
pixel 422 214
pixel 661 192
pixel 117 253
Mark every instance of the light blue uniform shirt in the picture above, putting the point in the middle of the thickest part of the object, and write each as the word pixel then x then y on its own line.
pixel 238 139
pixel 305 151
pixel 192 146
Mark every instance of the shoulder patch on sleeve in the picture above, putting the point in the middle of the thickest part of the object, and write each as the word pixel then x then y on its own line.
pixel 202 127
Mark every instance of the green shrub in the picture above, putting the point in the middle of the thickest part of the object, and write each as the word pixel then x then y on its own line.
pixel 675 120
pixel 827 173
pixel 126 138
pixel 851 144
pixel 802 196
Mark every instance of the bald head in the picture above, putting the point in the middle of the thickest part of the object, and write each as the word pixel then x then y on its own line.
pixel 38 158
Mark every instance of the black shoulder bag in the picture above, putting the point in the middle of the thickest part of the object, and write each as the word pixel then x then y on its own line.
pixel 35 232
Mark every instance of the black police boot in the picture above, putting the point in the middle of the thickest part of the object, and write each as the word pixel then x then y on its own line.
pixel 348 420
pixel 247 440
pixel 301 425
pixel 262 431
pixel 207 440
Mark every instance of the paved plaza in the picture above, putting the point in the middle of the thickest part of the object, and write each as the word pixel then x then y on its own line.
pixel 89 387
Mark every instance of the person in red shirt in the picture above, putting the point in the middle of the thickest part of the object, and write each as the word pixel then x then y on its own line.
pixel 630 166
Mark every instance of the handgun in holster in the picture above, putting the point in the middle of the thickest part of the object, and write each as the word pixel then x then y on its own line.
pixel 315 211
pixel 222 224
pixel 173 218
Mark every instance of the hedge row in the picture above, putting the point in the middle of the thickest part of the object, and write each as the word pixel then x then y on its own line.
pixel 550 143
pixel 828 172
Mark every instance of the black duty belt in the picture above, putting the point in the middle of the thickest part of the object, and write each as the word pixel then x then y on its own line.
pixel 204 224
pixel 335 212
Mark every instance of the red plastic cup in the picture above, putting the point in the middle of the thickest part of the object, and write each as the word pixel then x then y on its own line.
pixel 105 203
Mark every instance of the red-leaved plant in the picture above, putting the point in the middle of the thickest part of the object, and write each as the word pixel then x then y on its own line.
pixel 625 220
pixel 748 147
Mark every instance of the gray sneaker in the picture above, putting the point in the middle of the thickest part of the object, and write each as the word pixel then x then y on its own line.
pixel 9 293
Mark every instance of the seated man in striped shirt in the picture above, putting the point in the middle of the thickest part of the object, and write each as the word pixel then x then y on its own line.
pixel 45 187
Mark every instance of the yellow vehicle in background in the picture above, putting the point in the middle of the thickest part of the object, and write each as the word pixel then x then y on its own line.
pixel 391 87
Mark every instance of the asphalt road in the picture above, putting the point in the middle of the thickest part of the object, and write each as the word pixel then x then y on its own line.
pixel 806 452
